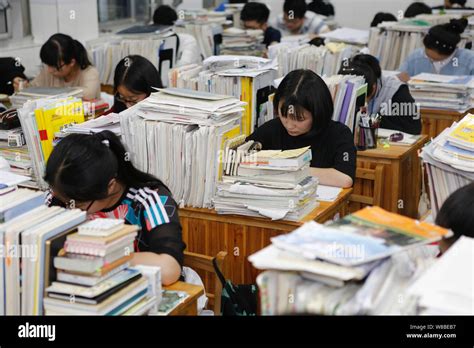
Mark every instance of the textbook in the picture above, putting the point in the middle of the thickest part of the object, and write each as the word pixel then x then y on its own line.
pixel 32 93
pixel 268 159
pixel 236 41
pixel 367 235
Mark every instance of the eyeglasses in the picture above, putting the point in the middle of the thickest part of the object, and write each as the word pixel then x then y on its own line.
pixel 57 68
pixel 119 98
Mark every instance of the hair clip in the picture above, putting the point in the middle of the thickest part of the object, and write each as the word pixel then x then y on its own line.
pixel 106 142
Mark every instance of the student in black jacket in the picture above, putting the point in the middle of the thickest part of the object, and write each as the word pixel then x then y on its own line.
pixel 386 95
pixel 304 108
pixel 255 15
pixel 9 69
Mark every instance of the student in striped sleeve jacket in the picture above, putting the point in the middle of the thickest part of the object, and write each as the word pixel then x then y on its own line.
pixel 94 173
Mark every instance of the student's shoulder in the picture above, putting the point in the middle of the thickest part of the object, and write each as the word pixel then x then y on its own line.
pixel 465 54
pixel 336 127
pixel 417 54
pixel 266 131
pixel 91 72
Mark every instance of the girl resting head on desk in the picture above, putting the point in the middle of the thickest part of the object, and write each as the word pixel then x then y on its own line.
pixel 66 64
pixel 94 173
pixel 133 81
pixel 304 108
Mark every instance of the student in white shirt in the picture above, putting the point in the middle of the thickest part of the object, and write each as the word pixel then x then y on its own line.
pixel 296 20
pixel 188 49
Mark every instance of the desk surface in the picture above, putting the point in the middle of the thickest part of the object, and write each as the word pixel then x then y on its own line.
pixel 394 151
pixel 318 214
pixel 194 292
pixel 445 112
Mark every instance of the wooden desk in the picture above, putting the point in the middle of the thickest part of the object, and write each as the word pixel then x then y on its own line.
pixel 401 187
pixel 189 305
pixel 206 232
pixel 434 121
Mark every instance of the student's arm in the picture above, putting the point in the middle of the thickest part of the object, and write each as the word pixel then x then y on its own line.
pixel 90 84
pixel 41 79
pixel 332 177
pixel 170 268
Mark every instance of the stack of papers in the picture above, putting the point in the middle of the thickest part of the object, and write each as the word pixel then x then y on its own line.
pixel 178 136
pixel 40 120
pixel 449 161
pixel 330 262
pixel 30 234
pixel 110 122
pixel 445 288
pixel 348 35
pixel 348 93
pixel 443 91
pixel 32 93
pixel 269 183
pixel 236 41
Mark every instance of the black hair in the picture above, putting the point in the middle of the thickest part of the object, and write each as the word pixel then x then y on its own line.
pixel 360 69
pixel 462 3
pixel 304 89
pixel 416 9
pixel 370 61
pixel 382 17
pixel 164 15
pixel 255 11
pixel 317 41
pixel 297 6
pixel 62 47
pixel 138 75
pixel 82 165
pixel 444 38
pixel 321 7
pixel 457 212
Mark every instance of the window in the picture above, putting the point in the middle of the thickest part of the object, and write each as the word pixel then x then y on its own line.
pixel 4 19
pixel 118 11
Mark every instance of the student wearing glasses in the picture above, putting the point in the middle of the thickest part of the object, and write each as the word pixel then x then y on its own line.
pixel 134 79
pixel 95 174
pixel 66 64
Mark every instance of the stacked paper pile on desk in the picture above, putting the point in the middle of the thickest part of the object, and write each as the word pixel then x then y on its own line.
pixel 93 270
pixel 443 91
pixel 32 93
pixel 348 35
pixel 271 183
pixel 242 42
pixel 449 161
pixel 30 234
pixel 110 122
pixel 178 135
pixel 324 266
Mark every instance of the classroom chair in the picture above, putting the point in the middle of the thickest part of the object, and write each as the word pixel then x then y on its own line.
pixel 374 197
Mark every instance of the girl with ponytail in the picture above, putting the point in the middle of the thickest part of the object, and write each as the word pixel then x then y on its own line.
pixel 66 64
pixel 441 54
pixel 95 173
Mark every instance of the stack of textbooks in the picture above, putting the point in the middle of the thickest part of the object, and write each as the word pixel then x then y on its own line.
pixel 110 122
pixel 352 266
pixel 40 120
pixel 30 235
pixel 249 79
pixel 449 160
pixel 268 183
pixel 178 136
pixel 93 276
pixel 443 91
pixel 32 93
pixel 236 41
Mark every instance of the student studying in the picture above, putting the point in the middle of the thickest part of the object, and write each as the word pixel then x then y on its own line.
pixel 304 109
pixel 255 16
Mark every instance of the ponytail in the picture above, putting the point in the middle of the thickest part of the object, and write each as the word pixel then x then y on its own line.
pixel 80 54
pixel 82 165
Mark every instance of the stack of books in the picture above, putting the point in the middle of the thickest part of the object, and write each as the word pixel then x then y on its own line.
pixel 30 235
pixel 268 183
pixel 236 41
pixel 449 160
pixel 110 122
pixel 443 91
pixel 178 136
pixel 93 276
pixel 249 79
pixel 33 93
pixel 40 120
pixel 348 35
pixel 351 266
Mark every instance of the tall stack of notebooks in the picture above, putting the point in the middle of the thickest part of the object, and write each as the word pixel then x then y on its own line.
pixel 246 78
pixel 443 91
pixel 237 41
pixel 33 93
pixel 93 273
pixel 360 264
pixel 267 183
pixel 449 160
pixel 30 234
pixel 178 136
pixel 40 120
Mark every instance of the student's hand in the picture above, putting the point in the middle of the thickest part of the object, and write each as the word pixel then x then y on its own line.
pixel 404 77
pixel 19 83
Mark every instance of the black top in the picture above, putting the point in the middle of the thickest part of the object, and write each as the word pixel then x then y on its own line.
pixel 332 148
pixel 271 35
pixel 408 121
pixel 9 69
